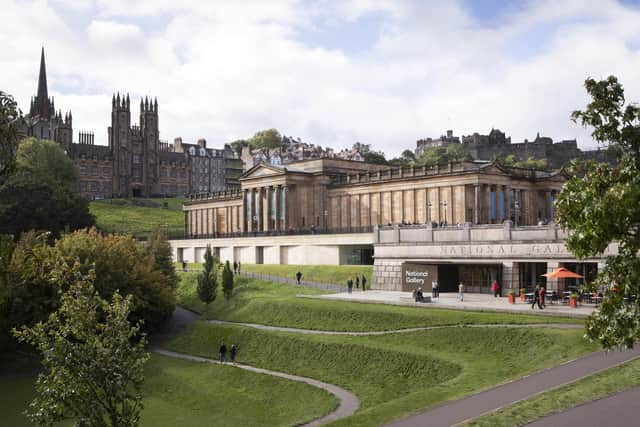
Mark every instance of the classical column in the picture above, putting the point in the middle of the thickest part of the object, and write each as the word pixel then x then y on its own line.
pixel 259 210
pixel 267 209
pixel 507 201
pixel 285 209
pixel 547 205
pixel 487 203
pixel 186 224
pixel 476 203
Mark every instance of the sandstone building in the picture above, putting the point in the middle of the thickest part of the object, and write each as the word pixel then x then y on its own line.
pixel 136 163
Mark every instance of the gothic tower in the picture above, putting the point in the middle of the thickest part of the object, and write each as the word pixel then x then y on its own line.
pixel 150 146
pixel 120 144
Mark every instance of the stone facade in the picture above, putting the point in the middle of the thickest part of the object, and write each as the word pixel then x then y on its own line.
pixel 136 162
pixel 329 194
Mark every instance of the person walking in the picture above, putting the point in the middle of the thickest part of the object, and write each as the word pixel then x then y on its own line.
pixel 541 295
pixel 349 285
pixel 233 352
pixel 461 291
pixel 235 267
pixel 298 277
pixel 364 283
pixel 357 282
pixel 495 288
pixel 536 296
pixel 238 267
pixel 436 288
pixel 223 352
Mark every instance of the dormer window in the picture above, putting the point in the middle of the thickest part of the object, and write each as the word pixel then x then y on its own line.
pixel 192 151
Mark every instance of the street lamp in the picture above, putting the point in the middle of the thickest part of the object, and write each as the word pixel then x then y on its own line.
pixel 326 214
pixel 444 203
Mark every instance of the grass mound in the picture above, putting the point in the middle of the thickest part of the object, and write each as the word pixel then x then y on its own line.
pixel 183 393
pixel 335 274
pixel 138 216
pixel 270 303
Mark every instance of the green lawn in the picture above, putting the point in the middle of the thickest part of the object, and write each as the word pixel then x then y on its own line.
pixel 336 274
pixel 138 216
pixel 183 393
pixel 587 389
pixel 271 303
pixel 396 374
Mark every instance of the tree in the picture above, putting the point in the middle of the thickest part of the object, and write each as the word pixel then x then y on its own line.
pixel 93 357
pixel 208 279
pixel 227 280
pixel 10 121
pixel 159 248
pixel 600 205
pixel 442 155
pixel 269 138
pixel 42 193
pixel 376 157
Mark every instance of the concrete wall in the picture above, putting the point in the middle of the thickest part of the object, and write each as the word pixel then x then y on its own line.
pixel 305 249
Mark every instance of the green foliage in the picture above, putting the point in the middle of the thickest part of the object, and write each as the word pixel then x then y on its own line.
pixel 94 358
pixel 531 163
pixel 122 264
pixel 376 157
pixel 208 279
pixel 10 120
pixel 139 217
pixel 269 138
pixel 335 274
pixel 601 205
pixel 442 155
pixel 227 281
pixel 159 248
pixel 42 193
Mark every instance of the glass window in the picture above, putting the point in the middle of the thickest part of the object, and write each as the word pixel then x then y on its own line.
pixel 94 170
pixel 83 170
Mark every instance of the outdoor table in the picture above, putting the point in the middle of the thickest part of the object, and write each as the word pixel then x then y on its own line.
pixel 529 296
pixel 565 297
pixel 551 296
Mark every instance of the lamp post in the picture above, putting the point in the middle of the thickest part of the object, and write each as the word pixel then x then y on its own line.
pixel 326 215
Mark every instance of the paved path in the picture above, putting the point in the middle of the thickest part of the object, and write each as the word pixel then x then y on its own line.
pixel 620 409
pixel 349 403
pixel 396 331
pixel 182 318
pixel 473 406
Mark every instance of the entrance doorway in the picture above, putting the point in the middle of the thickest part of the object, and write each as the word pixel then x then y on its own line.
pixel 137 192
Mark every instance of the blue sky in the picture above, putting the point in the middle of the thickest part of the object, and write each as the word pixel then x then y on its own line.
pixel 330 72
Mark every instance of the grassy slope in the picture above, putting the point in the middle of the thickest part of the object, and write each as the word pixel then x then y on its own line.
pixel 138 216
pixel 396 374
pixel 593 387
pixel 272 303
pixel 337 274
pixel 184 393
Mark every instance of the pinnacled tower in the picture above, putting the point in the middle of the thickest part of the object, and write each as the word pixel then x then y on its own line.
pixel 150 146
pixel 120 144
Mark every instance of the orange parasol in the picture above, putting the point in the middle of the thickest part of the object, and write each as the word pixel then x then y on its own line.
pixel 562 273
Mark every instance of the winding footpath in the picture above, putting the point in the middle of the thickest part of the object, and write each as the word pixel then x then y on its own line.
pixel 182 318
pixel 396 331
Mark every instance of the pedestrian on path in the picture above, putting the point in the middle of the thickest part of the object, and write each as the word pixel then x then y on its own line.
pixel 357 282
pixel 184 266
pixel 223 352
pixel 435 289
pixel 298 277
pixel 364 283
pixel 536 298
pixel 541 295
pixel 349 285
pixel 461 292
pixel 233 352
pixel 235 267
pixel 495 288
pixel 238 267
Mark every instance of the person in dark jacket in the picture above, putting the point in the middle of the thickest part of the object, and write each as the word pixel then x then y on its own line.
pixel 223 352
pixel 233 352
pixel 357 282
pixel 364 283
pixel 298 277
pixel 349 285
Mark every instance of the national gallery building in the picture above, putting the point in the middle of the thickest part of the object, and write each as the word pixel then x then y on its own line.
pixel 470 221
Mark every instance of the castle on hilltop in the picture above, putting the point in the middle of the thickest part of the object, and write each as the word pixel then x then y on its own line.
pixel 136 163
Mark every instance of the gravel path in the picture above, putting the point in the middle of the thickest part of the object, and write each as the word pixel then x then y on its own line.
pixel 182 318
pixel 395 331
pixel 349 403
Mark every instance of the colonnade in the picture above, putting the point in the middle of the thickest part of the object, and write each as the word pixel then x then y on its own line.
pixel 265 208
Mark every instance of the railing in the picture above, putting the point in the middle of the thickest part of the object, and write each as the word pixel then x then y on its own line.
pixel 292 232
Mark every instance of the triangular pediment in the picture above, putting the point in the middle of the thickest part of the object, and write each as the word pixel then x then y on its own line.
pixel 262 170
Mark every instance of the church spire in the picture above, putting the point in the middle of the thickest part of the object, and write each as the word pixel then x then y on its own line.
pixel 42 79
pixel 42 106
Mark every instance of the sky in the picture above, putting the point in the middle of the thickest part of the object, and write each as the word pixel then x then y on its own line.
pixel 385 73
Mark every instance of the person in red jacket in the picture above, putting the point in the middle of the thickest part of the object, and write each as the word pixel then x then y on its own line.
pixel 541 295
pixel 495 288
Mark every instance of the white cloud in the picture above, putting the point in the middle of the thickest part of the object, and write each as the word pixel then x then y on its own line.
pixel 223 70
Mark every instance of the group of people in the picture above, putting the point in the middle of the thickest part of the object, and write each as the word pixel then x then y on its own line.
pixel 236 267
pixel 538 297
pixel 223 352
pixel 358 283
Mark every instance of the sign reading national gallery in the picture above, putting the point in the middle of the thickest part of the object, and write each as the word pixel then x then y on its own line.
pixel 416 275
